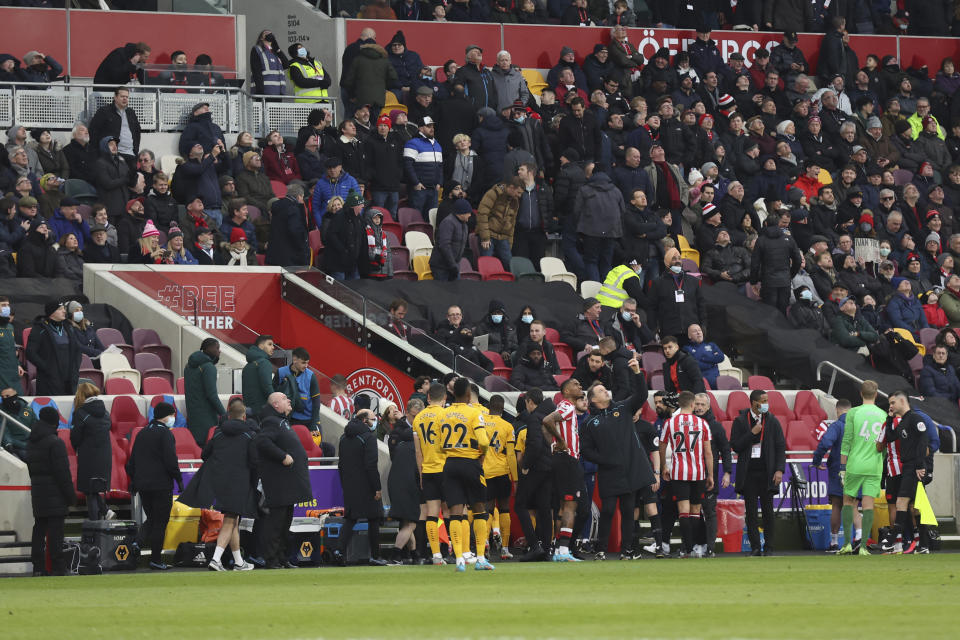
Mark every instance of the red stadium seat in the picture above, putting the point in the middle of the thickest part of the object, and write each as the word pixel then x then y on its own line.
pixel 806 405
pixel 762 383
pixel 186 446
pixel 313 451
pixel 778 405
pixel 180 386
pixel 125 416
pixel 715 407
pixel 737 401
pixel 120 386
pixel 492 269
pixel 728 427
pixel 156 385
pixel 800 437
pixel 279 189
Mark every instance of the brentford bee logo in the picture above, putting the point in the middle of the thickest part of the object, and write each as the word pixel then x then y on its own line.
pixel 377 385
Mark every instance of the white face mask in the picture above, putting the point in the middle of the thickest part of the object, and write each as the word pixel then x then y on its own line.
pixel 170 421
pixel 5 312
pixel 806 295
pixel 626 315
pixel 77 316
pixel 496 319
pixel 302 52
pixel 527 318
pixel 676 268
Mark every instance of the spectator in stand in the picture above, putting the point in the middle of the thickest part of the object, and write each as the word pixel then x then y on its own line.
pixel 804 313
pixel 178 252
pixel 384 157
pixel 350 148
pixel 90 438
pixel 205 249
pixel 379 264
pixel 707 354
pixel 40 68
pixel 904 310
pixel 509 82
pixel 668 188
pixel 850 330
pixel 341 403
pixel 98 250
pixel 490 142
pixel 423 167
pixel 17 138
pixel 237 218
pixel 204 409
pixel 81 155
pixel 279 163
pixel 406 64
pixel 600 209
pixel 36 257
pixel 148 249
pixel 368 77
pixel 535 214
pixel 568 60
pixel 119 121
pixel 99 215
pixel 244 143
pixel 676 301
pixel 579 131
pixel 345 241
pixel 591 369
pixel 496 220
pixel 289 238
pixel 536 336
pixel 67 219
pixel 54 350
pixel 50 155
pixel 130 227
pixel 643 229
pixel 239 252
pixel 500 332
pixel 478 82
pixel 936 317
pixel 253 185
pixel 267 63
pixel 122 65
pixel 532 371
pixel 587 331
pixel 112 177
pixel 458 337
pixel 680 369
pixel 628 327
pixel 202 130
pixel 307 75
pixel 336 182
pixel 310 161
pixel 776 259
pixel 451 242
pixel 160 206
pixel 70 256
pixel 51 492
pixel 938 379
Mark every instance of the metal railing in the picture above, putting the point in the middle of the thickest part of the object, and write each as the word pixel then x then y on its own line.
pixel 833 376
pixel 159 108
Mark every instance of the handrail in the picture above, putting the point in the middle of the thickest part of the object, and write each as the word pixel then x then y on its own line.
pixel 5 418
pixel 833 377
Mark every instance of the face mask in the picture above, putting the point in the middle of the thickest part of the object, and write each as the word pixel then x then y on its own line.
pixel 884 252
pixel 764 407
pixel 77 316
pixel 626 315
pixel 373 427
pixel 520 119
pixel 865 227
pixel 526 318
pixel 496 319
pixel 302 52
pixel 5 311
pixel 676 268
pixel 170 421
pixel 806 295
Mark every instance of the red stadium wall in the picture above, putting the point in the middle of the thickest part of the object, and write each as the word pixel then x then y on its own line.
pixel 539 46
pixel 93 34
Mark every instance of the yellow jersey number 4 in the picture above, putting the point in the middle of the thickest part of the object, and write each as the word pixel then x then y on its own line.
pixel 453 435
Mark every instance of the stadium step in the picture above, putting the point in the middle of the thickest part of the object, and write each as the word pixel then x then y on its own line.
pixel 8 536
pixel 14 550
pixel 14 556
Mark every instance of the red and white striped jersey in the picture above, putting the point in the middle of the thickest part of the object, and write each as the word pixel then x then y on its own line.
pixel 685 434
pixel 894 459
pixel 568 427
pixel 342 406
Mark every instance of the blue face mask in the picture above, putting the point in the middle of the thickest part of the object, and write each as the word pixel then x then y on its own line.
pixel 806 295
pixel 519 119
pixel 496 319
pixel 373 427
pixel 302 52
pixel 676 268
pixel 764 407
pixel 5 311
pixel 526 318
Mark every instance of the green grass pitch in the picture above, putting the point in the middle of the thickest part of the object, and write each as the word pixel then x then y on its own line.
pixel 820 597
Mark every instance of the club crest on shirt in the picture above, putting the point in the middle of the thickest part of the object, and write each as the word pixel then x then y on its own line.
pixel 616 414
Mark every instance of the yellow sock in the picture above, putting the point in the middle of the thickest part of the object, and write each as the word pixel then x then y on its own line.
pixel 480 533
pixel 505 528
pixel 456 536
pixel 433 535
pixel 533 519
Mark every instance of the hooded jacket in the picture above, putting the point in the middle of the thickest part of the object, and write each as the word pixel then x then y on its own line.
pixel 497 215
pixel 116 69
pixel 490 142
pixel 257 379
pixel 90 438
pixel 502 336
pixel 289 240
pixel 227 479
pixel 359 476
pixel 369 75
pixel 37 258
pixel 480 87
pixel 600 208
pixel 939 381
pixel 153 462
pixel 51 489
pixel 283 486
pixel 202 130
pixel 776 258
pixel 682 373
pixel 112 177
pixel 204 408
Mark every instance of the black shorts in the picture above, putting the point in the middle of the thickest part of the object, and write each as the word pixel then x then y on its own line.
pixel 908 483
pixel 432 486
pixel 463 481
pixel 645 496
pixel 692 490
pixel 499 488
pixel 568 483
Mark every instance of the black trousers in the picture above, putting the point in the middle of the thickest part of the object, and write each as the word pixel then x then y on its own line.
pixel 276 529
pixel 757 487
pixel 530 244
pixel 534 491
pixel 708 510
pixel 778 297
pixel 47 530
pixel 156 506
pixel 373 536
pixel 608 505
pixel 96 507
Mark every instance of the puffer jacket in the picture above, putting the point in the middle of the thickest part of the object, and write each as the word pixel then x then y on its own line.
pixel 497 214
pixel 600 208
pixel 423 162
pixel 776 259
pixel 490 143
pixel 510 86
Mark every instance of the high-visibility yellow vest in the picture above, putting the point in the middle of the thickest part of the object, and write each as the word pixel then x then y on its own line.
pixel 309 94
pixel 612 293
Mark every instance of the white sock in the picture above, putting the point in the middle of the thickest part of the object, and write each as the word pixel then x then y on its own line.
pixel 218 553
pixel 834 538
pixel 563 550
pixel 496 530
pixel 858 534
pixel 238 558
pixel 437 555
